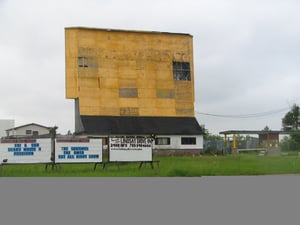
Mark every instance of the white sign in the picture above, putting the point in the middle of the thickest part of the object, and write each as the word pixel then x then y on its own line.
pixel 78 150
pixel 130 149
pixel 25 150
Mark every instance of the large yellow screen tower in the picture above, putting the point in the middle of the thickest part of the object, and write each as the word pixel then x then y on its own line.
pixel 129 73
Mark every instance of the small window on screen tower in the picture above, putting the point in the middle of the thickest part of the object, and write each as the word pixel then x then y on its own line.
pixel 181 71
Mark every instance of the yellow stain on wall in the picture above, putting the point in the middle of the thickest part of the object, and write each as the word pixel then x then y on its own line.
pixel 102 64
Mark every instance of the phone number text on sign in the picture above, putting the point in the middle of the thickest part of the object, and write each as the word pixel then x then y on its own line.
pixel 130 143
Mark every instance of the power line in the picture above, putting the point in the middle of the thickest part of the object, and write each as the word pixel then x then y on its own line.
pixel 245 116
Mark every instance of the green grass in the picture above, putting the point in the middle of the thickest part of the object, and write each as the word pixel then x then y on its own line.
pixel 232 165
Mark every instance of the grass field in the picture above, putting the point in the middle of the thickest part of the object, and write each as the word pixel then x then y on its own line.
pixel 232 165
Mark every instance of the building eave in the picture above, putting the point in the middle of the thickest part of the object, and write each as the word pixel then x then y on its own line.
pixel 124 30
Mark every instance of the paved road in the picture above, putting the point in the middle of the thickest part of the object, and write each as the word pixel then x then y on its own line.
pixel 234 200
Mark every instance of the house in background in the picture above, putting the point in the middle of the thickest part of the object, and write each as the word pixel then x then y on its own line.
pixel 4 125
pixel 133 83
pixel 27 130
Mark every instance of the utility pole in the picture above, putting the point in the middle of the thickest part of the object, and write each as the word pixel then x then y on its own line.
pixel 53 136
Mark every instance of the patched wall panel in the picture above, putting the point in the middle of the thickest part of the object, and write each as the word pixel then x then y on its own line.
pixel 147 103
pixel 145 82
pixel 165 84
pixel 128 93
pixel 184 112
pixel 90 82
pixel 165 93
pixel 127 83
pixel 128 102
pixel 129 111
pixel 146 93
pixel 107 82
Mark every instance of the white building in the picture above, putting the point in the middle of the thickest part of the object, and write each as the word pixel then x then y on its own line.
pixel 31 129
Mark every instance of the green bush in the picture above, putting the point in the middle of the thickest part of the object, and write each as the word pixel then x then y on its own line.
pixel 289 144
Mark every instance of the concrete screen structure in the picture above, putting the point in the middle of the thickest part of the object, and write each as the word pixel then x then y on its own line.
pixel 137 78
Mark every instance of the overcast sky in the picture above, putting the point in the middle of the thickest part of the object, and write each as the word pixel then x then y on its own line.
pixel 246 55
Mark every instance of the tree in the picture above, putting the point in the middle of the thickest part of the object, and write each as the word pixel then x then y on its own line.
pixel 212 142
pixel 288 144
pixel 291 119
pixel 205 131
pixel 266 128
pixel 290 122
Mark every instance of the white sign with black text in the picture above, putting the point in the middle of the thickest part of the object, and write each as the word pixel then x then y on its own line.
pixel 130 148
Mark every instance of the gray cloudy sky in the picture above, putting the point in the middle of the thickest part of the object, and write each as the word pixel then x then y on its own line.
pixel 246 55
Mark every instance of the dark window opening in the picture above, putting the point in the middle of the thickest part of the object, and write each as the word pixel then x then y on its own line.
pixel 87 62
pixel 188 140
pixel 181 71
pixel 162 141
pixel 82 62
pixel 28 132
pixel 35 133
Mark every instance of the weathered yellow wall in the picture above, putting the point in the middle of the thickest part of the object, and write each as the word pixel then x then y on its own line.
pixel 137 65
